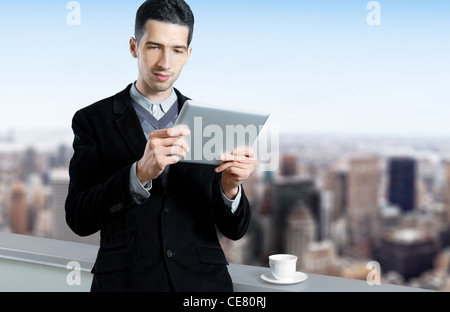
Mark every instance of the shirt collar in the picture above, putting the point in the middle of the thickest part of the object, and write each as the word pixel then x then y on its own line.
pixel 147 103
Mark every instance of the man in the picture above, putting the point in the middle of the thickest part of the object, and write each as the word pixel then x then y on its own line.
pixel 157 217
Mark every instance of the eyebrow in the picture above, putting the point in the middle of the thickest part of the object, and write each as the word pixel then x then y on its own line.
pixel 161 45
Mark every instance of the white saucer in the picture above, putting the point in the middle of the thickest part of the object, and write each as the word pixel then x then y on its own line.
pixel 297 278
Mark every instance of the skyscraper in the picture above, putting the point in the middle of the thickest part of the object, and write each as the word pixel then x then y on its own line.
pixel 18 212
pixel 59 179
pixel 28 163
pixel 336 184
pixel 363 204
pixel 300 233
pixel 447 190
pixel 288 165
pixel 402 178
pixel 287 194
pixel 363 185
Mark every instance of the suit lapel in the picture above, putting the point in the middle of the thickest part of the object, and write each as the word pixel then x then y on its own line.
pixel 129 127
pixel 128 124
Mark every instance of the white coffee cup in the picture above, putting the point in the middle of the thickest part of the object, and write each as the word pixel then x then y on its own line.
pixel 283 266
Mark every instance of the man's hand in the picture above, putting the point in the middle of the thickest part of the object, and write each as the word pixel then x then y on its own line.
pixel 164 147
pixel 236 168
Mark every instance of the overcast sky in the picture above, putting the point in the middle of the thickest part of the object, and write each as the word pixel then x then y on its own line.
pixel 316 66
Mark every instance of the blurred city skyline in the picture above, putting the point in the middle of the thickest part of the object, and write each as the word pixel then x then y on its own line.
pixel 336 203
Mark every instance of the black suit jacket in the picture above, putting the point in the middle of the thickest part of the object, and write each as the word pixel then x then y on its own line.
pixel 168 243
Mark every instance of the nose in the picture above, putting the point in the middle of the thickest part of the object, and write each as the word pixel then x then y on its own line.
pixel 164 61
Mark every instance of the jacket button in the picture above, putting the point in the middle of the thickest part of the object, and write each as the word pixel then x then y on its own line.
pixel 117 207
pixel 169 253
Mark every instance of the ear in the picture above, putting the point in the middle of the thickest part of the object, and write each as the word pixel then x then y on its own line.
pixel 189 53
pixel 134 48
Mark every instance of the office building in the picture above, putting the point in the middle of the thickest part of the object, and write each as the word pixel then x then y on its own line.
pixel 288 165
pixel 447 190
pixel 363 205
pixel 300 233
pixel 59 180
pixel 287 194
pixel 18 211
pixel 402 180
pixel 29 163
pixel 321 258
pixel 336 183
pixel 409 252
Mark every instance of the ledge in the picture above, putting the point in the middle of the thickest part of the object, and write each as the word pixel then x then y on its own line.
pixel 46 251
pixel 247 278
pixel 18 250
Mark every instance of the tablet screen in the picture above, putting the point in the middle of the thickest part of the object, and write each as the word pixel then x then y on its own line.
pixel 217 130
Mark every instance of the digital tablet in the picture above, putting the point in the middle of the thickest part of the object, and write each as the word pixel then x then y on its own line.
pixel 217 130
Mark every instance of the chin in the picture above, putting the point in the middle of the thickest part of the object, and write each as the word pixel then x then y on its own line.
pixel 161 86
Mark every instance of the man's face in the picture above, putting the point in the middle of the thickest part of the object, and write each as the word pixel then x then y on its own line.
pixel 162 54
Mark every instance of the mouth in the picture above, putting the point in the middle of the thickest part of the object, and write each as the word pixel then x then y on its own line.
pixel 162 77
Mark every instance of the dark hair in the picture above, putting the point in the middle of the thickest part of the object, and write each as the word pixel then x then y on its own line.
pixel 169 11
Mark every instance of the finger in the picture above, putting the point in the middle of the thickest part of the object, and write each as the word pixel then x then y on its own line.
pixel 175 141
pixel 173 159
pixel 178 131
pixel 168 160
pixel 244 151
pixel 239 161
pixel 238 174
pixel 231 164
pixel 174 151
pixel 239 154
pixel 170 132
pixel 181 142
pixel 240 158
pixel 161 133
pixel 183 129
pixel 231 157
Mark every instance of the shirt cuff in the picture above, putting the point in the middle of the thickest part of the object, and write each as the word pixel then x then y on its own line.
pixel 233 204
pixel 140 193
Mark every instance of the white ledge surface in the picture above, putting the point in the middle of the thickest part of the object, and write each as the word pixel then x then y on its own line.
pixel 246 278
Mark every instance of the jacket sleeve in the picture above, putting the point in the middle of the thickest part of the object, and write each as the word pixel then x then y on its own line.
pixel 232 225
pixel 94 198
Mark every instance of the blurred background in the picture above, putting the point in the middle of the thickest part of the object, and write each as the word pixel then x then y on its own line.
pixel 357 90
